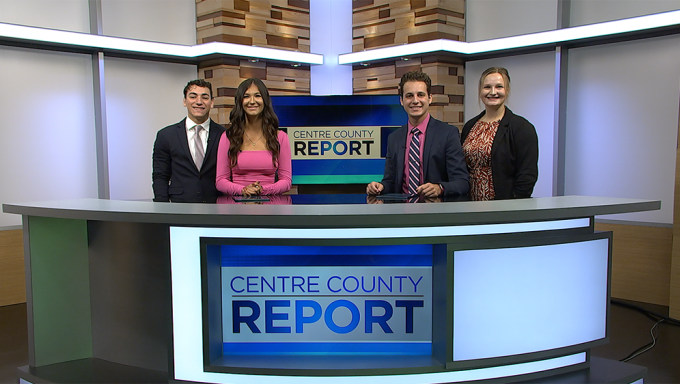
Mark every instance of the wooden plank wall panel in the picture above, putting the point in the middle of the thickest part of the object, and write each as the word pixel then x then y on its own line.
pixel 382 23
pixel 641 262
pixel 225 76
pixel 12 277
pixel 280 24
pixel 447 88
pixel 388 22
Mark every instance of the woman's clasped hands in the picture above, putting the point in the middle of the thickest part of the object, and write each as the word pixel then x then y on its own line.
pixel 252 189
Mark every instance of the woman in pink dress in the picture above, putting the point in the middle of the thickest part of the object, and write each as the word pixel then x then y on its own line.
pixel 501 148
pixel 253 157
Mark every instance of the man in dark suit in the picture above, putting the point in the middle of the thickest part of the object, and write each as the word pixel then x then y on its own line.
pixel 185 154
pixel 424 157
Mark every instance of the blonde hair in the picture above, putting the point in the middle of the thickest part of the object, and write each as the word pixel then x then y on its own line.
pixel 500 70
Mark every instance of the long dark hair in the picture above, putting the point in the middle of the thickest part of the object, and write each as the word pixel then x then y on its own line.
pixel 237 117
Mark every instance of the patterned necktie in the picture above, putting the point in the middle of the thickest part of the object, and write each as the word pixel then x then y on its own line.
pixel 414 162
pixel 199 152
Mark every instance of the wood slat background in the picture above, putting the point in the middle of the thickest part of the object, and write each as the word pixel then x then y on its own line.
pixel 383 23
pixel 12 277
pixel 280 24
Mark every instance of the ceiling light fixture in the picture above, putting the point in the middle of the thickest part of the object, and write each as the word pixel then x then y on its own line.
pixel 119 44
pixel 634 24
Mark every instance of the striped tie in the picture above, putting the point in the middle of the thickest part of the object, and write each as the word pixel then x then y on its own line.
pixel 414 162
pixel 199 152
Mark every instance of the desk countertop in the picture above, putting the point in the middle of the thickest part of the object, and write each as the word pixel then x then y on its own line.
pixel 301 215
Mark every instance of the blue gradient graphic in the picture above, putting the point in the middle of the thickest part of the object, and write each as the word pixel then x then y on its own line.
pixel 383 349
pixel 369 255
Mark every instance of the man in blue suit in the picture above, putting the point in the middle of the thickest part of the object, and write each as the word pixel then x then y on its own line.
pixel 424 157
pixel 185 154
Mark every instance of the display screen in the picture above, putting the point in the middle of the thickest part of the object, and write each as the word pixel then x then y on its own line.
pixel 324 300
pixel 338 139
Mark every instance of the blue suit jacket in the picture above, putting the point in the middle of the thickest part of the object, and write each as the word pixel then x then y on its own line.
pixel 175 176
pixel 442 158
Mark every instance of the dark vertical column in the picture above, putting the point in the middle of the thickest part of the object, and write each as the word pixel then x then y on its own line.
pixel 98 82
pixel 442 304
pixel 560 130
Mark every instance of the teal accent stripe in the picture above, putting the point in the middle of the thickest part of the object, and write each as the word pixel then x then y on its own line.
pixel 335 179
pixel 62 324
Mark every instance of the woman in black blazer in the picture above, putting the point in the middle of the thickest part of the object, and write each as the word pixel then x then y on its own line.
pixel 501 148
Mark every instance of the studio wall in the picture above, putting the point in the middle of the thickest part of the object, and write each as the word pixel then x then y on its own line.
pixel 167 21
pixel 66 15
pixel 614 93
pixel 597 11
pixel 131 112
pixel 141 98
pixel 55 107
pixel 621 99
pixel 622 123
pixel 48 146
pixel 492 19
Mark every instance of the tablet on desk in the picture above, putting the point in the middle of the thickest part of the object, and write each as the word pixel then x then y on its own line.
pixel 393 197
pixel 250 199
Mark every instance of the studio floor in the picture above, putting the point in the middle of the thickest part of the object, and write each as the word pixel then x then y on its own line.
pixel 629 329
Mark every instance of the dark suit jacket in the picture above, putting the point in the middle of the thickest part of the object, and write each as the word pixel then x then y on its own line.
pixel 175 176
pixel 442 157
pixel 514 156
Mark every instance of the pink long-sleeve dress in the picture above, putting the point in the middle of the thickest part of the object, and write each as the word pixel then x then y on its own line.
pixel 254 166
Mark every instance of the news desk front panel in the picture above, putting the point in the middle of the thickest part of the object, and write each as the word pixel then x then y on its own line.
pixel 463 291
pixel 491 300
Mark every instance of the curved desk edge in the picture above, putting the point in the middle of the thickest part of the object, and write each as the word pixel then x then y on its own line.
pixel 343 215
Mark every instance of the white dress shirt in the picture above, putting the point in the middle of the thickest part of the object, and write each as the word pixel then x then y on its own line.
pixel 191 131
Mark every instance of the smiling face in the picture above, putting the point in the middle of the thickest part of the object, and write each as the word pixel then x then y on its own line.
pixel 415 101
pixel 252 101
pixel 493 90
pixel 198 102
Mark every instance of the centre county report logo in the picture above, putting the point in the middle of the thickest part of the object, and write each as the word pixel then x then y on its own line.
pixel 334 142
pixel 384 304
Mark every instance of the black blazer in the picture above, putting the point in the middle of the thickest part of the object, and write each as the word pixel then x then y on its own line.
pixel 443 160
pixel 175 176
pixel 514 155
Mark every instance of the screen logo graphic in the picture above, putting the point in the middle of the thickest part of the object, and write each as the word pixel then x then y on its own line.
pixel 305 308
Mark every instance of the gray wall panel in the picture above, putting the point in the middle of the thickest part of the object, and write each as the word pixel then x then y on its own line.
pixel 622 123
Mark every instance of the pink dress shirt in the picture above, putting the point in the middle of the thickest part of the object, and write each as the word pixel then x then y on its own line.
pixel 254 166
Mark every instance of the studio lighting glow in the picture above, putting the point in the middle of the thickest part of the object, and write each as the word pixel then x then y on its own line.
pixel 635 24
pixel 85 40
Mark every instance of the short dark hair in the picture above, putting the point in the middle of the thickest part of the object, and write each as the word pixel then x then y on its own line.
pixel 415 76
pixel 198 83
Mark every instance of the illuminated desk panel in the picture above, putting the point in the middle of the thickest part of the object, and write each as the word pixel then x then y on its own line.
pixel 122 283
